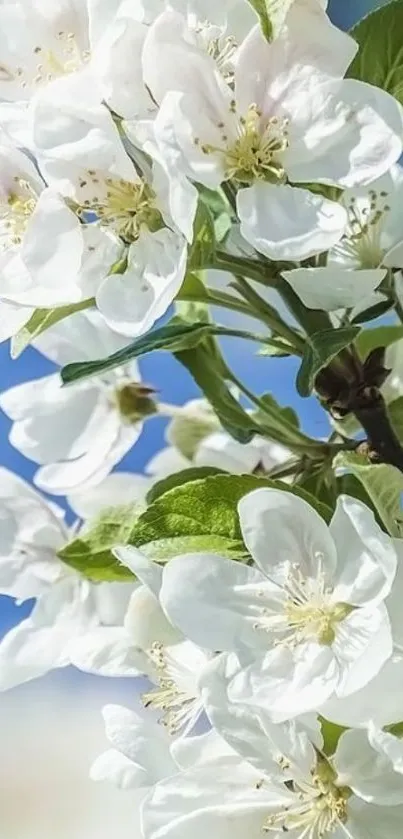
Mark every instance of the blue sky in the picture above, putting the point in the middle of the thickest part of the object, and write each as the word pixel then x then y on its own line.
pixel 169 378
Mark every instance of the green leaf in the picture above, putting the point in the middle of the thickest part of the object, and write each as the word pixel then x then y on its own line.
pixel 373 312
pixel 194 473
pixel 287 414
pixel 207 368
pixel 90 552
pixel 379 60
pixel 322 347
pixel 41 320
pixel 176 335
pixel 202 250
pixel 272 15
pixel 277 347
pixel 200 516
pixel 395 411
pixel 382 483
pixel 193 311
pixel 380 336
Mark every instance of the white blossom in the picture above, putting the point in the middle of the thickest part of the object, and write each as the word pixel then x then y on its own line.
pixel 76 434
pixel 289 786
pixel 290 115
pixel 148 643
pixel 67 604
pixel 308 621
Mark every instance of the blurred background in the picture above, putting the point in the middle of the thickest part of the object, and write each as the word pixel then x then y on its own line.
pixel 51 730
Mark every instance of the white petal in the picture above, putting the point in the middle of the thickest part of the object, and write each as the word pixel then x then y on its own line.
pixel 371 764
pixel 167 462
pixel 30 535
pixel 234 699
pixel 285 222
pixel 107 651
pixel 213 601
pixel 285 683
pixel 362 645
pixel 366 557
pixel 82 336
pixel 140 739
pixel 114 767
pixel 40 643
pixel 221 450
pixel 132 302
pixel 332 288
pixel 145 622
pixel 53 245
pixel 120 488
pixel 226 802
pixel 307 43
pixel 280 529
pixel 346 133
pixel 381 702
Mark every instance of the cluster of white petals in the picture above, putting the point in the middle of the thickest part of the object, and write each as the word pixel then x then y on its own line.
pixel 267 659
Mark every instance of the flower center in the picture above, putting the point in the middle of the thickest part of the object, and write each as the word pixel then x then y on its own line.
pixel 320 805
pixel 124 206
pixel 309 612
pixel 135 402
pixel 362 241
pixel 48 64
pixel 256 152
pixel 16 210
pixel 175 696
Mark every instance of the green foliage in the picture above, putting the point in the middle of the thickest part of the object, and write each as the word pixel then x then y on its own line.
pixel 379 60
pixel 207 368
pixel 202 249
pixel 321 349
pixel 195 517
pixel 194 473
pixel 382 483
pixel 272 15
pixel 286 415
pixel 91 551
pixel 176 335
pixel 277 347
pixel 395 411
pixel 380 336
pixel 40 321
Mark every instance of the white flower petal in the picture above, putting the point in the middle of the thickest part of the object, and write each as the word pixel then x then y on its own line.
pixel 30 535
pixel 345 132
pixel 145 622
pixel 381 702
pixel 366 557
pixel 213 601
pixel 332 288
pixel 114 767
pixel 52 247
pixel 107 651
pixel 286 222
pixel 133 301
pixel 362 645
pixel 120 488
pixel 371 764
pixel 280 529
pixel 141 740
pixel 41 642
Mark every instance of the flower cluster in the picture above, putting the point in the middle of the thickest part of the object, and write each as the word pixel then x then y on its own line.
pixel 251 578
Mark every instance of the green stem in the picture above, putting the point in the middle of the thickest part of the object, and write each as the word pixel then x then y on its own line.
pixel 311 320
pixel 277 428
pixel 268 315
pixel 217 298
pixel 238 265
